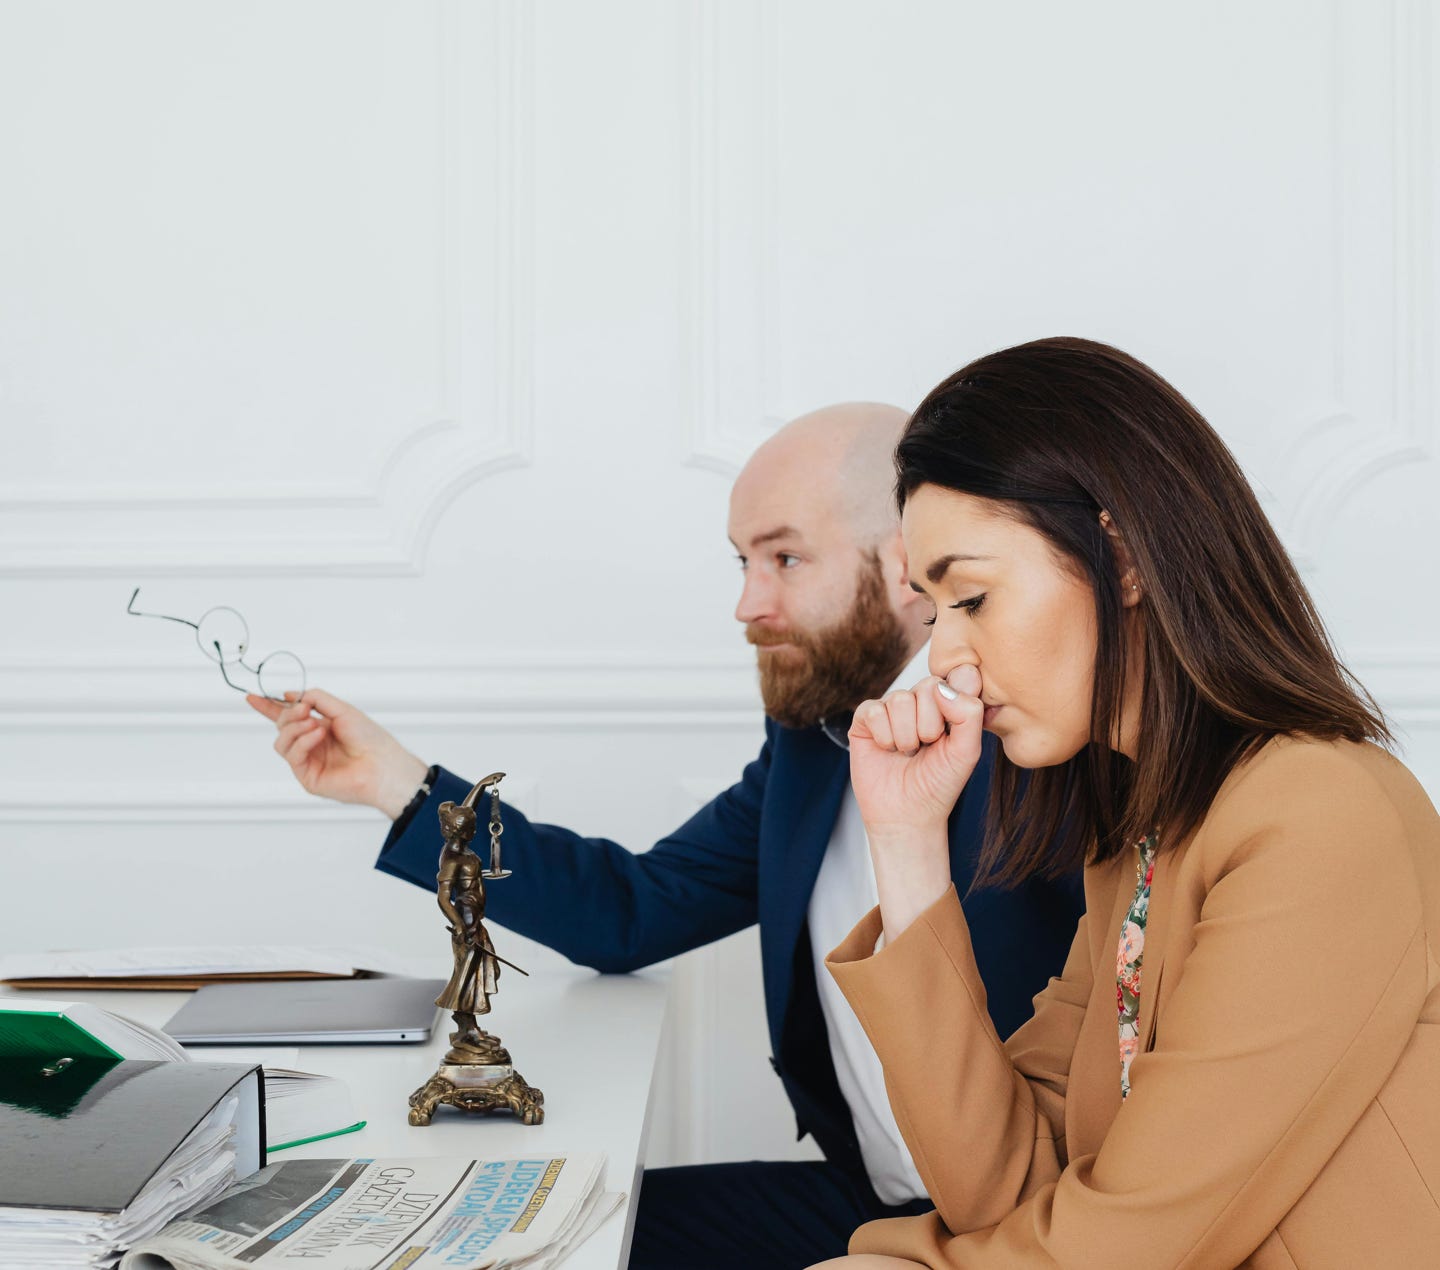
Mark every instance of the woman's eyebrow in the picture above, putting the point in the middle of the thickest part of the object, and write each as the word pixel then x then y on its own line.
pixel 937 568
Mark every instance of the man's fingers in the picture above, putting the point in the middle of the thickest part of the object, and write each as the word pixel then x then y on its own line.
pixel 304 743
pixel 263 705
pixel 292 713
pixel 325 703
pixel 288 735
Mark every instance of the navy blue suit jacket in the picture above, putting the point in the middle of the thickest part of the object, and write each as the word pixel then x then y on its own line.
pixel 751 855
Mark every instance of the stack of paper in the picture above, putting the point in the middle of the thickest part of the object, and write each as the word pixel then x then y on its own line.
pixel 302 1107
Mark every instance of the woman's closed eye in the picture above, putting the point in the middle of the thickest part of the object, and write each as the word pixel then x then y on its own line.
pixel 971 606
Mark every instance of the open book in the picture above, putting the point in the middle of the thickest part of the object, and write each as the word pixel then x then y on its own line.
pixel 300 1107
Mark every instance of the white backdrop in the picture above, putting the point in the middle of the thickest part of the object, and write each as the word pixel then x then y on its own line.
pixel 429 335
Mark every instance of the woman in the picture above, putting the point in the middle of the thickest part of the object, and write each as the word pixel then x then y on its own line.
pixel 1240 1063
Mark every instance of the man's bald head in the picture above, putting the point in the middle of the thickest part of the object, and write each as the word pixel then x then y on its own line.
pixel 844 456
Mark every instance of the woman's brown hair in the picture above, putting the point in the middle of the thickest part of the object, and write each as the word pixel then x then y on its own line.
pixel 1234 651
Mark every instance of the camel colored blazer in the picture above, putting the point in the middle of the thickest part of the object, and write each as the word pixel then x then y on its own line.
pixel 1284 1108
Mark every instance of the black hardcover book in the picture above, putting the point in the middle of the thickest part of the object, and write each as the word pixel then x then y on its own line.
pixel 86 1134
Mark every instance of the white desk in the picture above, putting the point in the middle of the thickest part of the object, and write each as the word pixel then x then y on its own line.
pixel 587 1041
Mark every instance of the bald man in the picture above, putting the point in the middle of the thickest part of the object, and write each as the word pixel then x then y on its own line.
pixel 827 603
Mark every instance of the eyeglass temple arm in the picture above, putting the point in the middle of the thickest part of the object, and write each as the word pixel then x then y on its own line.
pixel 164 617
pixel 220 661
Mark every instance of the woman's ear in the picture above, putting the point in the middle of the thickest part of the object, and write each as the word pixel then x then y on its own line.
pixel 1130 589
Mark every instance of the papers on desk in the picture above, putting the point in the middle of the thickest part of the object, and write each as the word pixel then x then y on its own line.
pixel 185 967
pixel 423 1214
pixel 300 1107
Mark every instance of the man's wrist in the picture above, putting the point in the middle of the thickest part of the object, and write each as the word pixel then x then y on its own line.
pixel 409 783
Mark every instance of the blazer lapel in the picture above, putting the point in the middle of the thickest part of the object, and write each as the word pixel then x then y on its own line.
pixel 1093 1097
pixel 1157 930
pixel 809 775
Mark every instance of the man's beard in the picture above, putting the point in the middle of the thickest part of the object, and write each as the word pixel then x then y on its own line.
pixel 831 671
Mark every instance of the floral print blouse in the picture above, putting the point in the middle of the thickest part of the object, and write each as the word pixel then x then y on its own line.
pixel 1128 960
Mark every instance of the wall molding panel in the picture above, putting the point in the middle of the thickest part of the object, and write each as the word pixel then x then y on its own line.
pixel 731 254
pixel 380 527
pixel 1384 83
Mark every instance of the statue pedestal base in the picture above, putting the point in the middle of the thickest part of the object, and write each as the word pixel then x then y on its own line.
pixel 477 1086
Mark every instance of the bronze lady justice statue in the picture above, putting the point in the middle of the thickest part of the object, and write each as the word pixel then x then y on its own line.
pixel 476 1073
pixel 461 894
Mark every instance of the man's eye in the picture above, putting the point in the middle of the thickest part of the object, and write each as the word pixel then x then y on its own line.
pixel 742 562
pixel 787 560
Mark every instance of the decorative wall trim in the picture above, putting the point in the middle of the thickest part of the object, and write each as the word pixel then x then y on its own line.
pixel 588 687
pixel 731 252
pixel 731 258
pixel 1346 448
pixel 381 527
pixel 63 688
pixel 211 802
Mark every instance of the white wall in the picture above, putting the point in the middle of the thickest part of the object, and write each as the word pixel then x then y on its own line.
pixel 429 335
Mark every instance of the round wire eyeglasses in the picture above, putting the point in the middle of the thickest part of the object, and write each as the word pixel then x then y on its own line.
pixel 223 635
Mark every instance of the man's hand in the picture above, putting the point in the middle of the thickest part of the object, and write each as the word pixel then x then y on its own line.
pixel 339 752
pixel 910 756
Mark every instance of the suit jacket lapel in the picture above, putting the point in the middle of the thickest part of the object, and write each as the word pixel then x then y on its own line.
pixel 812 774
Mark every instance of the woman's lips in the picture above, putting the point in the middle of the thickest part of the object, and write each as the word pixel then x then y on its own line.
pixel 990 713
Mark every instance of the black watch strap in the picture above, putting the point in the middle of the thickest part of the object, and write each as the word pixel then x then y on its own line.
pixel 432 774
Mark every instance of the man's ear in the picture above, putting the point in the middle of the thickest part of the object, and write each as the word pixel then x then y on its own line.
pixel 896 570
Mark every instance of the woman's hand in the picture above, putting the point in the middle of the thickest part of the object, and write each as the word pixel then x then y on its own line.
pixel 910 757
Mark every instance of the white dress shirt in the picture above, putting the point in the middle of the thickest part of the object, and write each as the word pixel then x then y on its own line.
pixel 844 892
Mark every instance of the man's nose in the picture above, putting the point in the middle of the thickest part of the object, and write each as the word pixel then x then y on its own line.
pixel 757 598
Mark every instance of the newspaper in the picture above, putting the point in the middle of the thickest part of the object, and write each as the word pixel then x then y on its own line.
pixel 430 1213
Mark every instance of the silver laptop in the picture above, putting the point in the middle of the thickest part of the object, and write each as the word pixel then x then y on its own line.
pixel 384 1010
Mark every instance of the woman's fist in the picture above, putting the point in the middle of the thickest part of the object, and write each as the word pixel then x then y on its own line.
pixel 912 752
